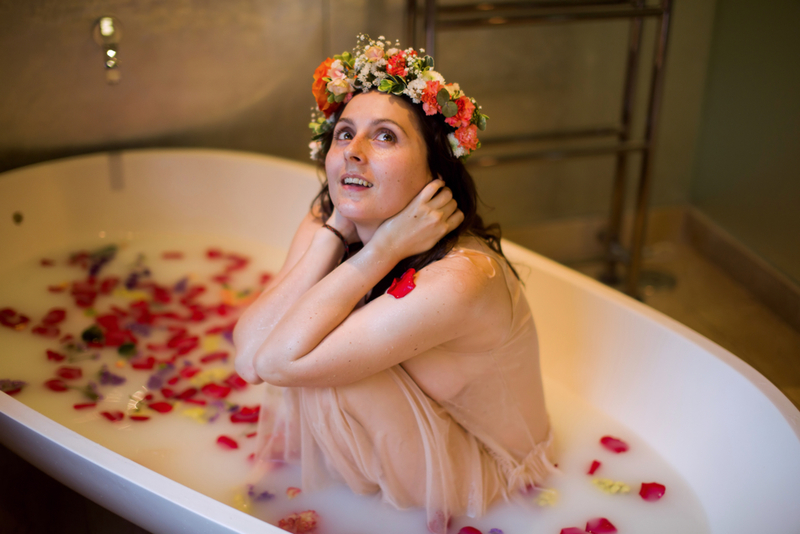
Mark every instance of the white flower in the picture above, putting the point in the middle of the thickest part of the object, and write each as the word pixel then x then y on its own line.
pixel 458 150
pixel 340 86
pixel 415 88
pixel 316 148
pixel 336 72
pixel 454 89
pixel 432 76
pixel 392 51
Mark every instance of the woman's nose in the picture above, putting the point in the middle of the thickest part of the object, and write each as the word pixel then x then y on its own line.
pixel 355 150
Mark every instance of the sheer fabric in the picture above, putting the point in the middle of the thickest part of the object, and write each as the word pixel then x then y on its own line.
pixel 452 454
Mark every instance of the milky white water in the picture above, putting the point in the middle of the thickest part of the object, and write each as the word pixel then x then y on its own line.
pixel 182 444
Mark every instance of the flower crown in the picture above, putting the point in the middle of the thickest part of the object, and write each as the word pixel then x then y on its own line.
pixel 379 65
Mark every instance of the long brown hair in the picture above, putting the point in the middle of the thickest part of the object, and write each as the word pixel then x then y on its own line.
pixel 444 164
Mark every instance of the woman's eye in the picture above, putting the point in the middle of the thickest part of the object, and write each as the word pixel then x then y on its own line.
pixel 386 136
pixel 343 135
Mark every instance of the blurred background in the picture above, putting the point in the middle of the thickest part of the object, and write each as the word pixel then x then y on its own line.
pixel 723 244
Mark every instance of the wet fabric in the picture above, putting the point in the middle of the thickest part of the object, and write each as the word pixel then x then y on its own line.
pixel 454 453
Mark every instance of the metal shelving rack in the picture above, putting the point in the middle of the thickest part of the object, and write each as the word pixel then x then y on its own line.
pixel 498 15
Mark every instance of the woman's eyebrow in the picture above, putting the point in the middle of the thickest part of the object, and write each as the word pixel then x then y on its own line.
pixel 375 122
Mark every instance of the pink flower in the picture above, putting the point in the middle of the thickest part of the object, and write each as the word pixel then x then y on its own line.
pixel 614 444
pixel 465 110
pixel 429 103
pixel 652 491
pixel 374 53
pixel 468 137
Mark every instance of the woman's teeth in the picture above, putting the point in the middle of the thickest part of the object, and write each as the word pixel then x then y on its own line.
pixel 357 181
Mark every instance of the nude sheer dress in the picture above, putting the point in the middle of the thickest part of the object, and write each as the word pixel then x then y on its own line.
pixel 453 453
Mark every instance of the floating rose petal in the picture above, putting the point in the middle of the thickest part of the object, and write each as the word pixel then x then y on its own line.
pixel 107 285
pixel 215 390
pixel 265 278
pixel 251 435
pixel 139 417
pixel 69 373
pixel 214 253
pixel 160 407
pixel 246 414
pixel 652 491
pixel 46 331
pixel 214 356
pixel 174 380
pixel 113 416
pixel 614 444
pixel 46 262
pixel 55 356
pixel 187 393
pixel 199 402
pixel 301 523
pixel 594 467
pixel 144 364
pixel 227 443
pixel 402 287
pixel 167 393
pixel 11 387
pixel 84 405
pixel 12 319
pixel 189 372
pixel 572 530
pixel 236 382
pixel 57 289
pixel 600 525
pixel 469 530
pixel 54 316
pixel 56 385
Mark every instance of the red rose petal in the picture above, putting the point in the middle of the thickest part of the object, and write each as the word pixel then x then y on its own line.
pixel 54 316
pixel 187 393
pixel 55 356
pixel 614 444
pixel 199 402
pixel 46 262
pixel 595 465
pixel 160 407
pixel 113 416
pixel 139 417
pixel 652 491
pixel 469 530
pixel 301 523
pixel 227 443
pixel 404 286
pixel 84 405
pixel 56 385
pixel 12 319
pixel 572 530
pixel 214 253
pixel 246 414
pixel 214 356
pixel 56 289
pixel 174 380
pixel 265 277
pixel 236 382
pixel 144 365
pixel 600 525
pixel 215 390
pixel 167 393
pixel 189 372
pixel 46 331
pixel 107 285
pixel 69 373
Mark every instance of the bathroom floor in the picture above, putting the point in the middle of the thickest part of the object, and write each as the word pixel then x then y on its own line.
pixel 684 286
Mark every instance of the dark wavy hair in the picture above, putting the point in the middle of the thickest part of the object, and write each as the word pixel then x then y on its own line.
pixel 444 164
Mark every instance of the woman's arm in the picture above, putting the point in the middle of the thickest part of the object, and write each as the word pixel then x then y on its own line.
pixel 286 287
pixel 321 341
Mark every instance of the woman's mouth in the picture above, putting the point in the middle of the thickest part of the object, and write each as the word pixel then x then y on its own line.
pixel 353 180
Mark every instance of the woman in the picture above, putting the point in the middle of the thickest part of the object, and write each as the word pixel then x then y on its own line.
pixel 429 393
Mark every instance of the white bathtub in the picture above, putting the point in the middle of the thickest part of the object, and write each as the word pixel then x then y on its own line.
pixel 728 431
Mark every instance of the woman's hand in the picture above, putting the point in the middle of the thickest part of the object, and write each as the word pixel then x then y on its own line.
pixel 430 216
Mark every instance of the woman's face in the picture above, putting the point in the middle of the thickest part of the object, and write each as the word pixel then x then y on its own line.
pixel 377 162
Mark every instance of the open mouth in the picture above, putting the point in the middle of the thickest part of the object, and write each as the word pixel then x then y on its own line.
pixel 351 180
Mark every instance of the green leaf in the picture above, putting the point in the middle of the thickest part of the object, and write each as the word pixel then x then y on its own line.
pixel 481 122
pixel 127 349
pixel 386 85
pixel 93 334
pixel 449 109
pixel 442 97
pixel 429 61
pixel 339 98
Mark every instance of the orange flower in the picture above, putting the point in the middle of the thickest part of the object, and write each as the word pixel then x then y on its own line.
pixel 428 97
pixel 320 91
pixel 468 137
pixel 464 115
pixel 396 65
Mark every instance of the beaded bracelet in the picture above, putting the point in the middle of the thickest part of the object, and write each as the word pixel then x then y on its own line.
pixel 340 236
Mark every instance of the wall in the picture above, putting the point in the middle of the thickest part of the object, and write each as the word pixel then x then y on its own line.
pixel 237 74
pixel 747 173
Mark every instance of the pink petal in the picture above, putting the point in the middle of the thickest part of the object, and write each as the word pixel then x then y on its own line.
pixel 216 391
pixel 614 444
pixel 600 525
pixel 595 466
pixel 84 405
pixel 113 416
pixel 469 530
pixel 69 373
pixel 161 407
pixel 56 385
pixel 404 286
pixel 139 417
pixel 652 491
pixel 572 530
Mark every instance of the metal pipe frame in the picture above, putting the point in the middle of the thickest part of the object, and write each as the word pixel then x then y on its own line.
pixel 484 15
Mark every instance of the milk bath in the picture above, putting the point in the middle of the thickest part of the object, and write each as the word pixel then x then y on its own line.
pixel 183 446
